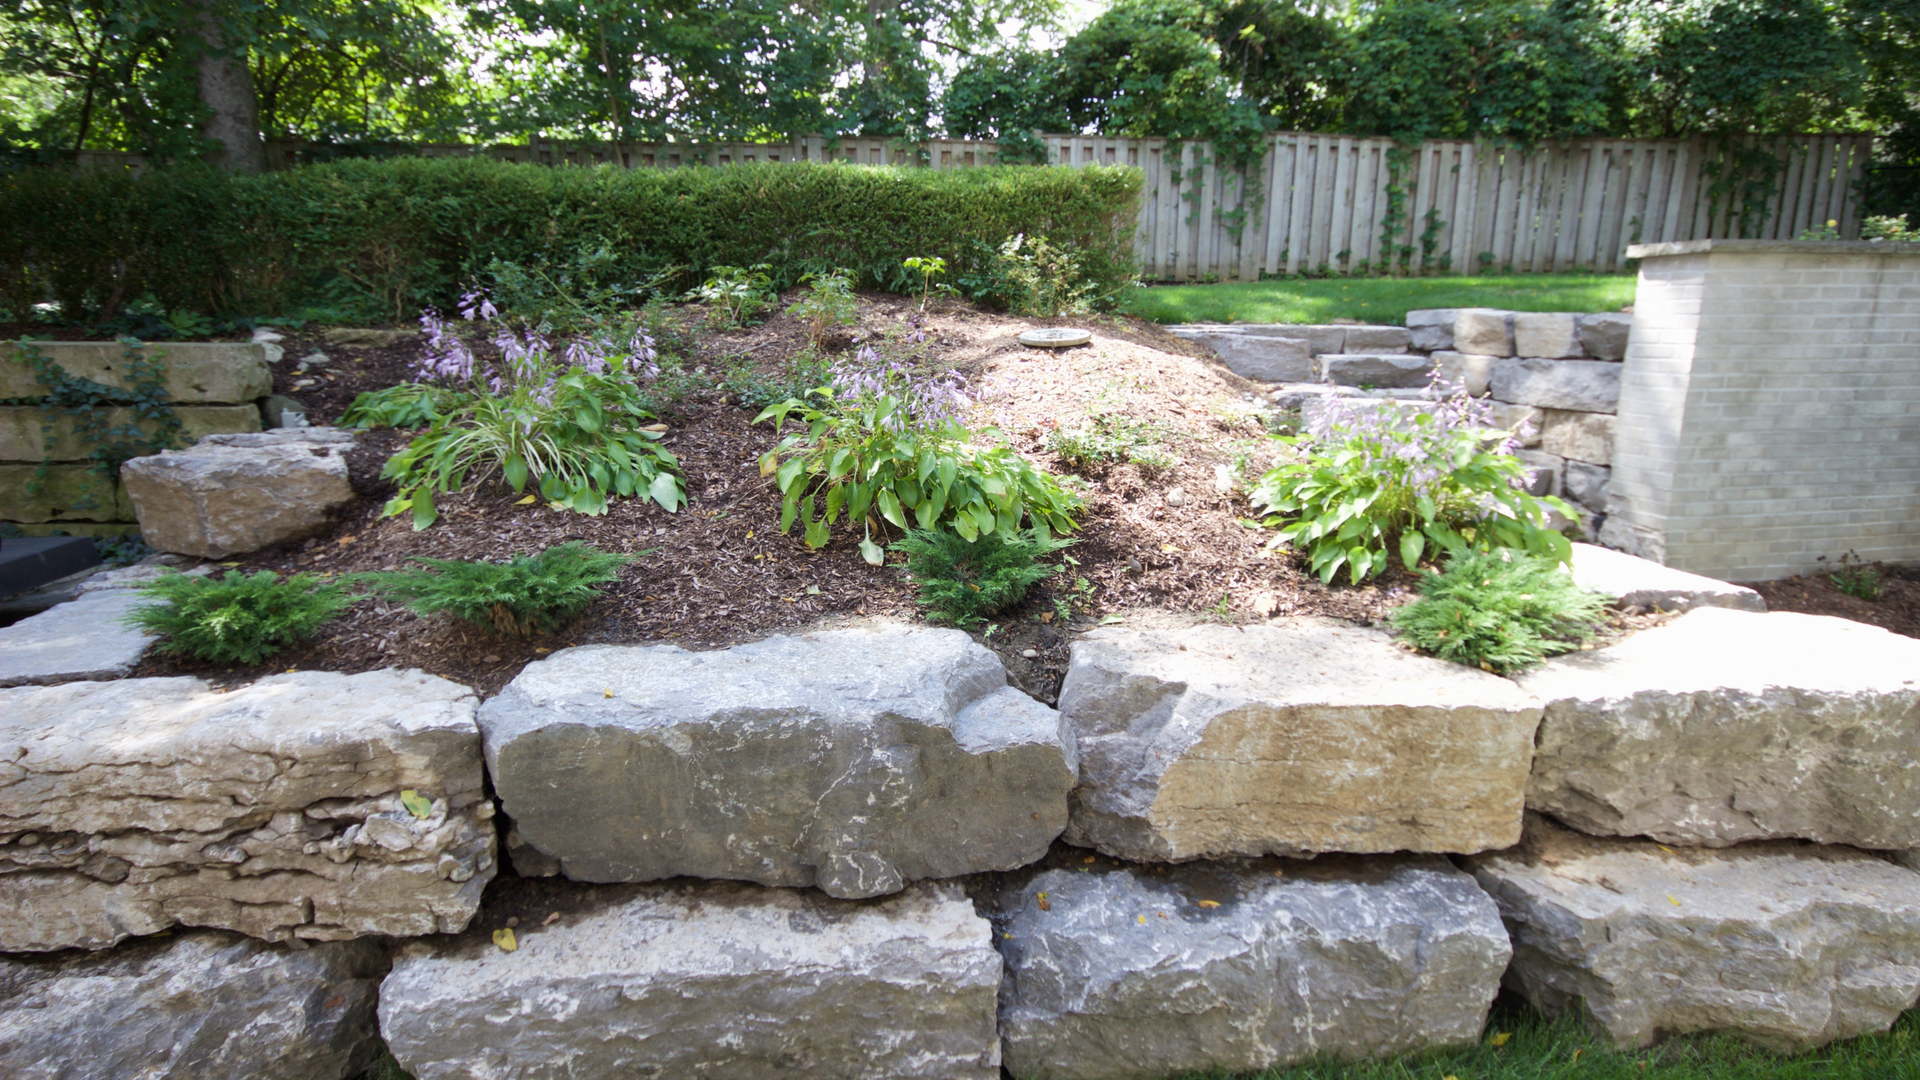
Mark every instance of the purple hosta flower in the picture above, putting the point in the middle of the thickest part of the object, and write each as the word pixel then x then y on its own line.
pixel 445 358
pixel 477 304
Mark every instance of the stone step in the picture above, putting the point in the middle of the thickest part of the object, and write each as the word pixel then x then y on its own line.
pixel 1788 945
pixel 1726 726
pixel 1261 357
pixel 1637 584
pixel 83 638
pixel 1384 370
pixel 1230 968
pixel 28 562
pixel 702 979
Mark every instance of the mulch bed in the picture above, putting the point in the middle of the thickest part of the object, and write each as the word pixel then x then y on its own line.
pixel 1897 608
pixel 719 572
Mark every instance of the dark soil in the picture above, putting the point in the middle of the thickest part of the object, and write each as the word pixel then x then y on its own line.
pixel 1896 608
pixel 720 573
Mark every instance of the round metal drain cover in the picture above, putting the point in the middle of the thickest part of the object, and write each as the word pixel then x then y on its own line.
pixel 1056 338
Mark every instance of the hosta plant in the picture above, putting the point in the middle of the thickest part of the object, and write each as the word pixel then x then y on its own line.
pixel 235 618
pixel 1501 611
pixel 884 446
pixel 1373 483
pixel 962 582
pixel 527 594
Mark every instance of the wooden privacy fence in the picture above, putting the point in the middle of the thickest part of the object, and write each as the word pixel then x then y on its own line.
pixel 1345 203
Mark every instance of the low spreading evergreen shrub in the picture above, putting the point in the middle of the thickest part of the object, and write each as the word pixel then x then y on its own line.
pixel 962 582
pixel 527 594
pixel 1502 611
pixel 235 618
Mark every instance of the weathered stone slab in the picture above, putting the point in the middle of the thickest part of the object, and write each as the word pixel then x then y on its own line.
pixel 1377 339
pixel 1320 337
pixel 1579 436
pixel 23 434
pixel 1431 329
pixel 1587 484
pixel 720 981
pixel 1549 334
pixel 193 1007
pixel 1267 358
pixel 1301 735
pixel 232 494
pixel 1637 584
pixel 1117 972
pixel 1787 945
pixel 1544 471
pixel 1483 331
pixel 1583 385
pixel 1603 335
pixel 60 493
pixel 1473 374
pixel 1394 370
pixel 275 810
pixel 853 760
pixel 80 639
pixel 367 337
pixel 1725 726
pixel 228 372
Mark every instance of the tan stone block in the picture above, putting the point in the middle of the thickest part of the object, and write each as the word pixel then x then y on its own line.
pixel 1581 436
pixel 1545 333
pixel 1483 332
pixel 217 371
pixel 65 493
pixel 24 435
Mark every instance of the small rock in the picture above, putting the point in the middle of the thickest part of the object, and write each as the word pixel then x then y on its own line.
pixel 314 360
pixel 1223 479
pixel 1176 496
pixel 1030 653
pixel 305 384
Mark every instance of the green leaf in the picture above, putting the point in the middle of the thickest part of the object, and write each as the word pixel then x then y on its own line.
pixel 424 512
pixel 1412 544
pixel 871 551
pixel 890 507
pixel 666 491
pixel 417 805
pixel 788 472
pixel 515 471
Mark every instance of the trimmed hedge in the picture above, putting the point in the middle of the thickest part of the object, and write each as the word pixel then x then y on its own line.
pixel 385 237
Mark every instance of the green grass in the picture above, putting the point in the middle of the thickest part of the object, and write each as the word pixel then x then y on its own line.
pixel 1375 300
pixel 1562 1049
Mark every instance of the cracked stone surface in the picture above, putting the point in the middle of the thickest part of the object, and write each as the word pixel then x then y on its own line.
pixel 716 980
pixel 200 1006
pixel 1725 726
pixel 853 760
pixel 275 810
pixel 1117 972
pixel 80 639
pixel 231 494
pixel 1300 735
pixel 1789 945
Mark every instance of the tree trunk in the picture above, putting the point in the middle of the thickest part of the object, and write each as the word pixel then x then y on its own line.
pixel 232 120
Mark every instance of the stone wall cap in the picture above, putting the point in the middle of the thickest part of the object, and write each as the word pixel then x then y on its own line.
pixel 1772 247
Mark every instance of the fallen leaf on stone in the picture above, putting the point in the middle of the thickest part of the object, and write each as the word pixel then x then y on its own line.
pixel 1208 903
pixel 505 939
pixel 608 692
pixel 1672 901
pixel 1042 900
pixel 1141 919
pixel 416 804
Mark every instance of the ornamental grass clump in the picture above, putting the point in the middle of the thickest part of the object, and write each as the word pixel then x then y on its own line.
pixel 527 594
pixel 962 582
pixel 883 445
pixel 235 618
pixel 1373 482
pixel 1500 611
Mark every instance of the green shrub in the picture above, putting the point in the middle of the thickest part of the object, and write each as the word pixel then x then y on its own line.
pixel 1032 275
pixel 1108 438
pixel 235 618
pixel 1501 611
pixel 963 582
pixel 385 237
pixel 828 302
pixel 735 295
pixel 794 377
pixel 409 405
pixel 1374 482
pixel 527 594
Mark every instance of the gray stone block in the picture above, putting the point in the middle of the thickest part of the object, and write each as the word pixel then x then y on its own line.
pixel 1544 471
pixel 1391 370
pixel 1603 336
pixel 1578 436
pixel 232 494
pixel 1431 329
pixel 1726 726
pixel 1378 339
pixel 80 639
pixel 1264 358
pixel 1582 385
pixel 1483 331
pixel 1550 334
pixel 713 980
pixel 1787 945
pixel 1117 972
pixel 201 1005
pixel 1637 584
pixel 1586 484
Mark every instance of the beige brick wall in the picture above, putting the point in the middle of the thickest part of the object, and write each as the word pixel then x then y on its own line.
pixel 1770 407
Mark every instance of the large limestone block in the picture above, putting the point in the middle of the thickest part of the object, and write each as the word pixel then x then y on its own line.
pixel 715 980
pixel 1265 357
pixel 83 638
pixel 24 435
pixel 1603 335
pixel 229 372
pixel 60 493
pixel 1637 584
pixel 1472 374
pixel 1118 972
pixel 854 760
pixel 232 494
pixel 1578 436
pixel 1431 329
pixel 1377 339
pixel 1725 726
pixel 276 810
pixel 1320 338
pixel 199 1006
pixel 1391 370
pixel 1788 945
pixel 1301 735
pixel 1583 385
pixel 1483 331
pixel 1546 333
pixel 1587 484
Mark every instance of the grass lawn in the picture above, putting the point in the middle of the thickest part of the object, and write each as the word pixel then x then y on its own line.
pixel 1375 300
pixel 1562 1049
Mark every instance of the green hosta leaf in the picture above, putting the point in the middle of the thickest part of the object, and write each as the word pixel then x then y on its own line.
pixel 1412 545
pixel 871 551
pixel 890 507
pixel 788 472
pixel 424 512
pixel 816 535
pixel 515 471
pixel 417 804
pixel 666 491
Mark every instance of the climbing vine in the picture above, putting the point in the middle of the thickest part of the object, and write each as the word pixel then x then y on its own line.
pixel 88 408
